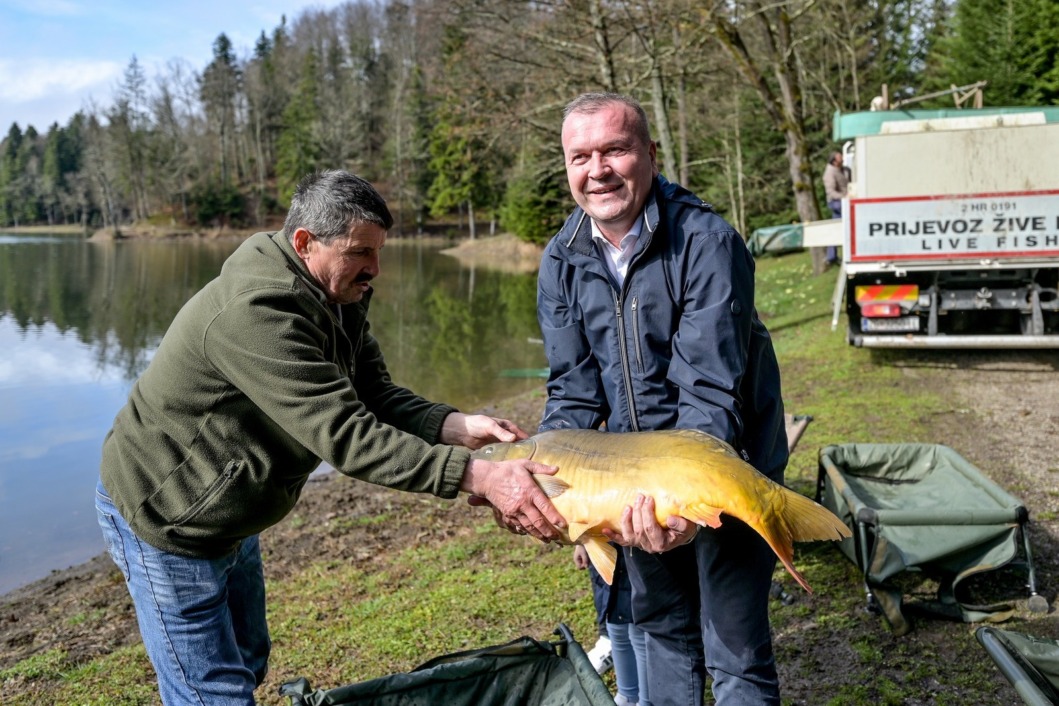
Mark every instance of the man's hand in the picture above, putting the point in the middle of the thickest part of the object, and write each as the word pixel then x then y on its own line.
pixel 476 430
pixel 639 528
pixel 580 557
pixel 518 503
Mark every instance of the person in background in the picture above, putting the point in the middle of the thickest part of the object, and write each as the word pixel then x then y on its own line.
pixel 625 642
pixel 836 185
pixel 646 304
pixel 266 371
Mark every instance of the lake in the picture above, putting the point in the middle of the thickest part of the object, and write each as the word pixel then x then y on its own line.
pixel 80 320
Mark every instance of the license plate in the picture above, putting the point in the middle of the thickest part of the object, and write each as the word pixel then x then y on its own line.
pixel 901 324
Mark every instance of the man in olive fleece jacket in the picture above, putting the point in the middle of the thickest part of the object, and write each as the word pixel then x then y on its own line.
pixel 265 372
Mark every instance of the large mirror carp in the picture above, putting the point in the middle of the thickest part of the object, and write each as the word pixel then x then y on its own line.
pixel 688 473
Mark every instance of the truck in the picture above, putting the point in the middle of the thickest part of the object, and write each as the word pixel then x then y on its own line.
pixel 950 228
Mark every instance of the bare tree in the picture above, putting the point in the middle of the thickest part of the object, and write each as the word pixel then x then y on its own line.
pixel 99 163
pixel 758 37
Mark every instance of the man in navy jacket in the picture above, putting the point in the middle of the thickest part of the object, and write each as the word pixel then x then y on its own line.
pixel 646 305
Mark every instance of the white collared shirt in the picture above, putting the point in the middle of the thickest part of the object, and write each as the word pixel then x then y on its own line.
pixel 617 259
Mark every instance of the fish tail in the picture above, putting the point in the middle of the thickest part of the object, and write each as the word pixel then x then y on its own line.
pixel 810 521
pixel 796 574
pixel 799 519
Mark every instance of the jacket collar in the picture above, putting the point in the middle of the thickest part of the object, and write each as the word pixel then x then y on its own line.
pixel 577 236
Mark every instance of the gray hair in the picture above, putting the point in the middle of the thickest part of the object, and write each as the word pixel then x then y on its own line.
pixel 329 203
pixel 589 103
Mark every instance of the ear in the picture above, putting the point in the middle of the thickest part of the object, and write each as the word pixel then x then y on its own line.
pixel 302 241
pixel 652 149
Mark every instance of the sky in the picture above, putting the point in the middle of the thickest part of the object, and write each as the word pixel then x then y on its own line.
pixel 58 55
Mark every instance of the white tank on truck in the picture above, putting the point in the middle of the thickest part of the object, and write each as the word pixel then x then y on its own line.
pixel 950 228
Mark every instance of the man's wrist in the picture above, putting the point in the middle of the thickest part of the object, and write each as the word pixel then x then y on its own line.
pixel 474 475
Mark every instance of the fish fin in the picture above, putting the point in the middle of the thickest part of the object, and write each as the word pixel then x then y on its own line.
pixel 810 521
pixel 603 556
pixel 576 529
pixel 703 515
pixel 553 487
pixel 799 519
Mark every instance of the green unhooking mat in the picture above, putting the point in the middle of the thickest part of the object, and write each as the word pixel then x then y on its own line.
pixel 1030 663
pixel 523 672
pixel 922 507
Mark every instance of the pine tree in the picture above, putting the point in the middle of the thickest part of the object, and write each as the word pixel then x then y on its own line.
pixel 9 173
pixel 298 148
pixel 1041 54
pixel 991 40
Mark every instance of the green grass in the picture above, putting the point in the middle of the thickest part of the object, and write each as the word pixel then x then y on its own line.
pixel 853 395
pixel 335 623
pixel 340 625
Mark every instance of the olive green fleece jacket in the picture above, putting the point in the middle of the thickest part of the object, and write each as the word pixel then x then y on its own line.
pixel 256 381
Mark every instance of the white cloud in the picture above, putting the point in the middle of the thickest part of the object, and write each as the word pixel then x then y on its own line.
pixel 36 444
pixel 26 81
pixel 46 354
pixel 58 55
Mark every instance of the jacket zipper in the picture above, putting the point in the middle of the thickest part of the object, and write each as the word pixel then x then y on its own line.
pixel 636 334
pixel 625 371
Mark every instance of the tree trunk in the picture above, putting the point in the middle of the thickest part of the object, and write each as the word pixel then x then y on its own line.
pixel 784 109
pixel 604 53
pixel 662 129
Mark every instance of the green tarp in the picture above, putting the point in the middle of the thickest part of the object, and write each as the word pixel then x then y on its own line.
pixel 922 508
pixel 523 672
pixel 775 240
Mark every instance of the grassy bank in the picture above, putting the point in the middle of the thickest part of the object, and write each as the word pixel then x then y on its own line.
pixel 452 580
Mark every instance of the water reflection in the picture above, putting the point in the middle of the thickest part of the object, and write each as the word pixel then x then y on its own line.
pixel 80 320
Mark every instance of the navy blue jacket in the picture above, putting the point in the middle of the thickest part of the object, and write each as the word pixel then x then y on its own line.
pixel 679 345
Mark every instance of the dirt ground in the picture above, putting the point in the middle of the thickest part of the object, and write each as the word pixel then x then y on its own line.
pixel 1004 418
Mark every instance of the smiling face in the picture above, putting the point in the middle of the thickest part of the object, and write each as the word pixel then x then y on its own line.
pixel 609 167
pixel 344 267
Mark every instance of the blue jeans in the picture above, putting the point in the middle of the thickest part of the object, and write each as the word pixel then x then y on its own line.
pixel 704 607
pixel 628 649
pixel 202 620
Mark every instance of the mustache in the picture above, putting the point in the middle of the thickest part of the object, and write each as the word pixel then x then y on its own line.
pixel 363 278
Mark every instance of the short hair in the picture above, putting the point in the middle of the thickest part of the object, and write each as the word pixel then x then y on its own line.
pixel 589 103
pixel 329 203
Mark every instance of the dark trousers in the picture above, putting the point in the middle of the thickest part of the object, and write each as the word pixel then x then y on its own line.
pixel 836 212
pixel 704 607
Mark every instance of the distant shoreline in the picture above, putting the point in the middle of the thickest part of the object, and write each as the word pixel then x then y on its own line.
pixel 155 232
pixel 504 252
pixel 65 229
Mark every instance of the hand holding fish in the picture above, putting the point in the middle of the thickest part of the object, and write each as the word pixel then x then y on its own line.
pixel 640 528
pixel 476 430
pixel 517 501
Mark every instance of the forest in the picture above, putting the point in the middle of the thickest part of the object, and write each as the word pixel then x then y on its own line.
pixel 453 107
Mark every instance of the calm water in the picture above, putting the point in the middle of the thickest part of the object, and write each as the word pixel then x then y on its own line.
pixel 79 321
